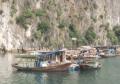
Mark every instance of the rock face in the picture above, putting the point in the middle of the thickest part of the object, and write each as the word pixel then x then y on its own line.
pixel 59 14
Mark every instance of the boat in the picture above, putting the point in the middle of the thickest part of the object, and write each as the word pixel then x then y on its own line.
pixel 50 61
pixel 107 52
pixel 32 53
pixel 57 67
pixel 90 64
pixel 88 59
pixel 108 55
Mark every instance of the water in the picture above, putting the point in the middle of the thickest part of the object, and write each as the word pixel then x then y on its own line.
pixel 108 74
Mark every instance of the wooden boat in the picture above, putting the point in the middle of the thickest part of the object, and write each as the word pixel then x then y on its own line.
pixel 107 52
pixel 90 63
pixel 57 67
pixel 50 61
pixel 90 66
pixel 89 59
pixel 108 56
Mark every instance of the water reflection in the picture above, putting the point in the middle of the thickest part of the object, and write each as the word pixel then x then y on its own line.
pixel 41 78
pixel 50 78
pixel 5 67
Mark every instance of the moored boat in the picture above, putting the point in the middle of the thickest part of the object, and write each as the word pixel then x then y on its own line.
pixel 89 59
pixel 57 67
pixel 50 61
pixel 90 66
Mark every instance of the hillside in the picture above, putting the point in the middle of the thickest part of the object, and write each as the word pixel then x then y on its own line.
pixel 53 23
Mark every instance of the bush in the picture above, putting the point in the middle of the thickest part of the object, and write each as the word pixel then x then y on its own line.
pixel 116 30
pixel 72 27
pixel 111 35
pixel 21 21
pixel 82 40
pixel 37 34
pixel 39 12
pixel 28 13
pixel 72 31
pixel 90 35
pixel 43 27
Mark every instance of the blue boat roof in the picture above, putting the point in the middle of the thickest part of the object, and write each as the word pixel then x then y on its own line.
pixel 51 53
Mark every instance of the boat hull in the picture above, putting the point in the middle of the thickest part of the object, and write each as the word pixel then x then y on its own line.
pixel 58 67
pixel 108 56
pixel 85 66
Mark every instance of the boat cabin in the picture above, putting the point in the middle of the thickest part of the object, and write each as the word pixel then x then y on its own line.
pixel 43 60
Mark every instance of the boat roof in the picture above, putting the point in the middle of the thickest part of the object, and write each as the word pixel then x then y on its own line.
pixel 53 53
pixel 42 55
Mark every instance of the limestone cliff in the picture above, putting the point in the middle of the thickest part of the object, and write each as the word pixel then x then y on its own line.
pixel 53 23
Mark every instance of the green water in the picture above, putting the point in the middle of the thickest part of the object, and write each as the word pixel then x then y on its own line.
pixel 108 74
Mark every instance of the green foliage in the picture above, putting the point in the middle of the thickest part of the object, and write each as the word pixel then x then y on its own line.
pixel 37 35
pixel 72 27
pixel 22 19
pixel 111 35
pixel 116 30
pixel 62 24
pixel 39 12
pixel 43 27
pixel 28 13
pixel 82 40
pixel 90 35
pixel 72 31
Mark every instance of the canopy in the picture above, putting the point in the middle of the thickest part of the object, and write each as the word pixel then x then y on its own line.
pixel 42 55
pixel 51 54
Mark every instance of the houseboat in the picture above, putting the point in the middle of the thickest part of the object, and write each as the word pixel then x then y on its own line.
pixel 45 62
pixel 108 51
